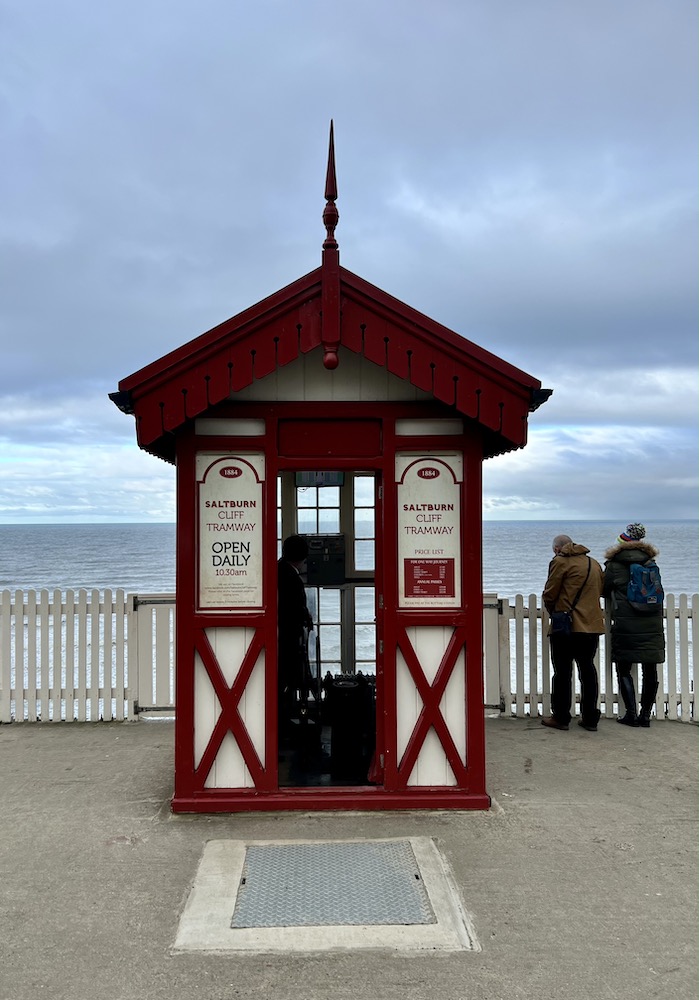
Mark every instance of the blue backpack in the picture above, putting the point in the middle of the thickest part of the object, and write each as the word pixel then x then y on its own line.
pixel 645 591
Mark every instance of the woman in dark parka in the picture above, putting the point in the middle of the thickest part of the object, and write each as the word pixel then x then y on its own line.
pixel 636 637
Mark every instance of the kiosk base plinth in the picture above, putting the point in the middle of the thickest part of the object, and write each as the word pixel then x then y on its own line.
pixel 361 799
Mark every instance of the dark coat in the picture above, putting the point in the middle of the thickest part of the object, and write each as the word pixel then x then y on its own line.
pixel 636 637
pixel 292 618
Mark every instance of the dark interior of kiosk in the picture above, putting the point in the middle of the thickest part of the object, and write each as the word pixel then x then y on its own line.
pixel 330 737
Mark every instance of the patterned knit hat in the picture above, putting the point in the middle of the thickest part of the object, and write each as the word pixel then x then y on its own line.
pixel 633 533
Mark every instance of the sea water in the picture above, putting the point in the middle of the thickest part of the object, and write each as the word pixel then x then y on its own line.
pixel 140 558
pixel 516 554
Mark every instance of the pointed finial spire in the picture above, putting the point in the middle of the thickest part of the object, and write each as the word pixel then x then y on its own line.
pixel 330 269
pixel 331 216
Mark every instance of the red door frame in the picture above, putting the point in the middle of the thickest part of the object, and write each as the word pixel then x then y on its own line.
pixel 190 793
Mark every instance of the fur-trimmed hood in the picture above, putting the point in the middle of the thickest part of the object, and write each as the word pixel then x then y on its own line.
pixel 650 550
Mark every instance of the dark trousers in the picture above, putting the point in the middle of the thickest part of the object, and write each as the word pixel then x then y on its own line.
pixel 581 648
pixel 649 684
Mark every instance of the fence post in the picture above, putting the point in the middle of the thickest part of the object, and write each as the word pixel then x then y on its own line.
pixel 504 615
pixel 132 659
pixel 5 656
pixel 685 683
pixel 120 654
pixel 491 651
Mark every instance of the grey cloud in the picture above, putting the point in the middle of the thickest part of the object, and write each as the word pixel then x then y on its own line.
pixel 525 174
pixel 85 481
pixel 596 475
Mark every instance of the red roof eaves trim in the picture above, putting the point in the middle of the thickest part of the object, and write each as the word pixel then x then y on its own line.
pixel 204 372
pixel 445 339
pixel 240 325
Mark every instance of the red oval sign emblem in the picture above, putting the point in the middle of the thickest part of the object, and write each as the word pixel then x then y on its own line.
pixel 230 472
pixel 428 473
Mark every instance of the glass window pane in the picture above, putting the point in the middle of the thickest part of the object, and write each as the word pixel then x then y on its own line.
pixel 364 555
pixel 329 605
pixel 365 642
pixel 329 636
pixel 328 520
pixel 307 496
pixel 329 496
pixel 364 604
pixel 363 491
pixel 308 522
pixel 364 522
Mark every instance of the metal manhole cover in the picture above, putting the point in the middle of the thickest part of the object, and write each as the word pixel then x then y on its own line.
pixel 335 883
pixel 310 896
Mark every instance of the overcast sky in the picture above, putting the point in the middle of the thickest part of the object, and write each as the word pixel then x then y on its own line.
pixel 522 172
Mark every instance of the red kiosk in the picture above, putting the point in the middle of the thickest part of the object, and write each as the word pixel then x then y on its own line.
pixel 333 410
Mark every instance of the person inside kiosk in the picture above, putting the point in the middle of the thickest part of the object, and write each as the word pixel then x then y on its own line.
pixel 293 624
pixel 326 726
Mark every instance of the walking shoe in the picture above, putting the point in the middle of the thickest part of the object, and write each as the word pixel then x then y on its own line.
pixel 628 720
pixel 552 723
pixel 590 729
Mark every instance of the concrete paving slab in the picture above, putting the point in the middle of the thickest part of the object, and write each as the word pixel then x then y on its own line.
pixel 581 882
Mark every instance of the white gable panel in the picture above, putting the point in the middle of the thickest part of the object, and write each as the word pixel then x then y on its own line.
pixel 354 380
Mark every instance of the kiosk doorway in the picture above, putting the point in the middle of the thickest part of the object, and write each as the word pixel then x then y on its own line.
pixel 330 737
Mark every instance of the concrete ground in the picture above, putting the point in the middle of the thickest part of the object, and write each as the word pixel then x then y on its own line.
pixel 581 882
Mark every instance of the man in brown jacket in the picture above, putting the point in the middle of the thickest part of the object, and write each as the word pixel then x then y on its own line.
pixel 574 584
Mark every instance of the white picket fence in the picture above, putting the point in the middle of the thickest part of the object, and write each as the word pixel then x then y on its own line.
pixel 517 663
pixel 89 656
pixel 85 656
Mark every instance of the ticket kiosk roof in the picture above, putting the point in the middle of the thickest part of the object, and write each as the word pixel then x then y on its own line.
pixel 326 310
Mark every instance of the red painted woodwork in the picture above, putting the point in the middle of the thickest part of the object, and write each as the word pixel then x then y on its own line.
pixel 230 720
pixel 326 437
pixel 358 421
pixel 330 310
pixel 431 715
pixel 295 320
pixel 335 799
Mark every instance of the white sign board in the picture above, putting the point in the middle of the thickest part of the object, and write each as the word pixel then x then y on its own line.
pixel 229 501
pixel 429 530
